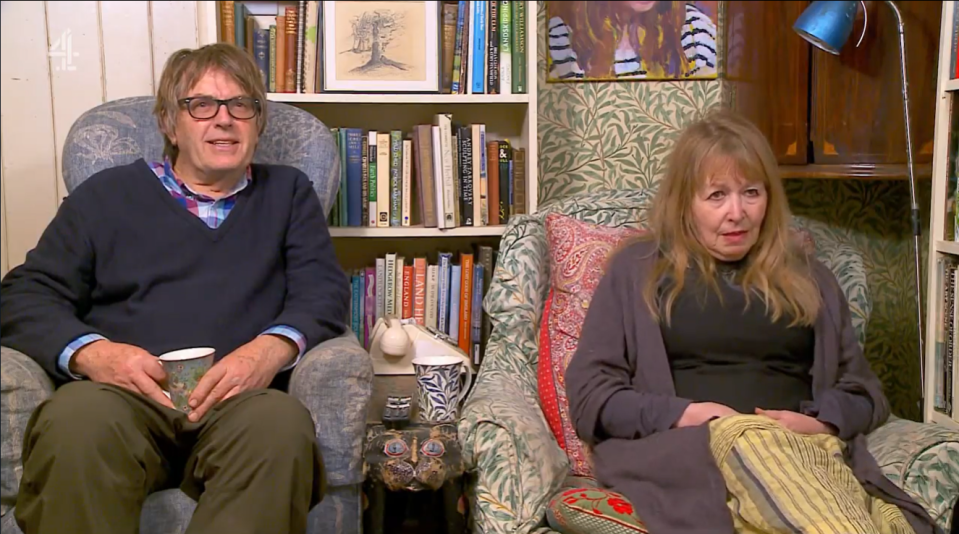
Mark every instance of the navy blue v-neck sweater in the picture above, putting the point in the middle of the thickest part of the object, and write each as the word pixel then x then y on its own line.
pixel 123 259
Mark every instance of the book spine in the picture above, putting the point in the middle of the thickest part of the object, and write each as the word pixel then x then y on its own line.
pixel 453 323
pixel 396 169
pixel 365 180
pixel 479 47
pixel 432 289
pixel 383 179
pixel 492 181
pixel 519 181
pixel 419 290
pixel 450 18
pixel 281 53
pixel 354 176
pixel 371 152
pixel 390 294
pixel 465 296
pixel 261 53
pixel 505 48
pixel 355 307
pixel 438 182
pixel 519 58
pixel 289 72
pixel 423 147
pixel 227 24
pixel 492 43
pixel 407 181
pixel 446 155
pixel 300 43
pixel 342 193
pixel 443 292
pixel 407 307
pixel 458 49
pixel 272 76
pixel 398 286
pixel 380 288
pixel 466 175
pixel 504 159
pixel 310 34
pixel 476 321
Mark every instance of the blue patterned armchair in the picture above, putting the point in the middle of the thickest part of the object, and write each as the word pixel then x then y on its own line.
pixel 334 380
pixel 516 468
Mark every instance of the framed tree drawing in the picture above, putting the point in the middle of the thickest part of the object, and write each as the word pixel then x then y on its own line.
pixel 374 47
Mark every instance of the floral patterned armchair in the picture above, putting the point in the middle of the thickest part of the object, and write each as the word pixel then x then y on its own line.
pixel 516 468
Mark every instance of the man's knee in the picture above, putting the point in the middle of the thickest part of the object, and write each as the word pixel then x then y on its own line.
pixel 78 414
pixel 275 416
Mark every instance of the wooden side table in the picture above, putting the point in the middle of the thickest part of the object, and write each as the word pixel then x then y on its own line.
pixel 415 458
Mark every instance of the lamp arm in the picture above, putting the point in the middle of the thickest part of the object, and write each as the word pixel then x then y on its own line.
pixel 914 205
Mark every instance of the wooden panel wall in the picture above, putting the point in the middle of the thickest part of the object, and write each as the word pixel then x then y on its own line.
pixel 58 60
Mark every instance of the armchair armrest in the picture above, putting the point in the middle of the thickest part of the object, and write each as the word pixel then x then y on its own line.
pixel 334 380
pixel 517 465
pixel 23 386
pixel 923 460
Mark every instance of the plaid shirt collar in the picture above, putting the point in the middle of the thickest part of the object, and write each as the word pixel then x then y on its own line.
pixel 164 171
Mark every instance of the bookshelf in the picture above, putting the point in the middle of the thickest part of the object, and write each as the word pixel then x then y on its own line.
pixel 941 374
pixel 508 117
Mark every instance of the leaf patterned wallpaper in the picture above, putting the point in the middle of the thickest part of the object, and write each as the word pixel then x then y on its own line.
pixel 595 136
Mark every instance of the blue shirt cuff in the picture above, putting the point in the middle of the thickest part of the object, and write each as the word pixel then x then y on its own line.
pixel 64 361
pixel 293 335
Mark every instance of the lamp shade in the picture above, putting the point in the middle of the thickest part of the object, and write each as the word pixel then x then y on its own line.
pixel 827 25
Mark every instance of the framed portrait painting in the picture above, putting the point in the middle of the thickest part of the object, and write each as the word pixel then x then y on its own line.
pixel 597 40
pixel 390 46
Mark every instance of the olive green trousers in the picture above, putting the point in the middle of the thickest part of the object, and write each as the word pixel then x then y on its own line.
pixel 93 452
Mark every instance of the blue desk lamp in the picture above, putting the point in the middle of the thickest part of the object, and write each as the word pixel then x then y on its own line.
pixel 827 26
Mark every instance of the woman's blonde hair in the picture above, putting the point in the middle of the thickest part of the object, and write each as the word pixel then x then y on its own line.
pixel 184 69
pixel 776 268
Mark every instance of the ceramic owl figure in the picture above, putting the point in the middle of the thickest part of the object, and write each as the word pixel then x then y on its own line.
pixel 416 458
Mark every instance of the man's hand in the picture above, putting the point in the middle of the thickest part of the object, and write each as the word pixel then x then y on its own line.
pixel 698 413
pixel 122 365
pixel 797 422
pixel 252 366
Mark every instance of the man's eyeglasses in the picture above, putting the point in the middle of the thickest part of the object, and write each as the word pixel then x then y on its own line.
pixel 206 107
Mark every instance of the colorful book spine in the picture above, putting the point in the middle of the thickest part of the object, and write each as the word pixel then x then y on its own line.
pixel 519 58
pixel 453 324
pixel 479 47
pixel 354 176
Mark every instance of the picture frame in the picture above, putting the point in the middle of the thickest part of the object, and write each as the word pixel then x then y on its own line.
pixel 381 46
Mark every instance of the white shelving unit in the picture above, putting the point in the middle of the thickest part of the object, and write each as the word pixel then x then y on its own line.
pixel 940 246
pixel 511 117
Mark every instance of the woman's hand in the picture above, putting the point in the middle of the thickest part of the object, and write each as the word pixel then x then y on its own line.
pixel 797 422
pixel 698 413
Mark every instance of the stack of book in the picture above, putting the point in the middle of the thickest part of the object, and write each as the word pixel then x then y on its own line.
pixel 445 295
pixel 441 175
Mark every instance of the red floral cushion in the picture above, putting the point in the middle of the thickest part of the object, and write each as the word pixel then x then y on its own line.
pixel 578 255
pixel 592 511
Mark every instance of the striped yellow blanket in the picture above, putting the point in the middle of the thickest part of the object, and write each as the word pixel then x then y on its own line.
pixel 780 481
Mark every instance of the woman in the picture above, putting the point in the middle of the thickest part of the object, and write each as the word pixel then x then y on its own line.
pixel 630 40
pixel 718 377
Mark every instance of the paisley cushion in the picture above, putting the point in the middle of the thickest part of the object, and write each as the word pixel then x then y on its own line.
pixel 589 510
pixel 578 252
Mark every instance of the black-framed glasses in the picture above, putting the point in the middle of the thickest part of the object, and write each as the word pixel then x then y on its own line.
pixel 206 107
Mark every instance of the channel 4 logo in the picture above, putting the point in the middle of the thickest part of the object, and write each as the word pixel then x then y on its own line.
pixel 62 49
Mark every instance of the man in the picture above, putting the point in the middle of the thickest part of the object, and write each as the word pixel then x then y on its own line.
pixel 201 249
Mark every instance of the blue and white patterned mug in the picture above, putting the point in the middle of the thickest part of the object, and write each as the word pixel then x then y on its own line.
pixel 439 389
